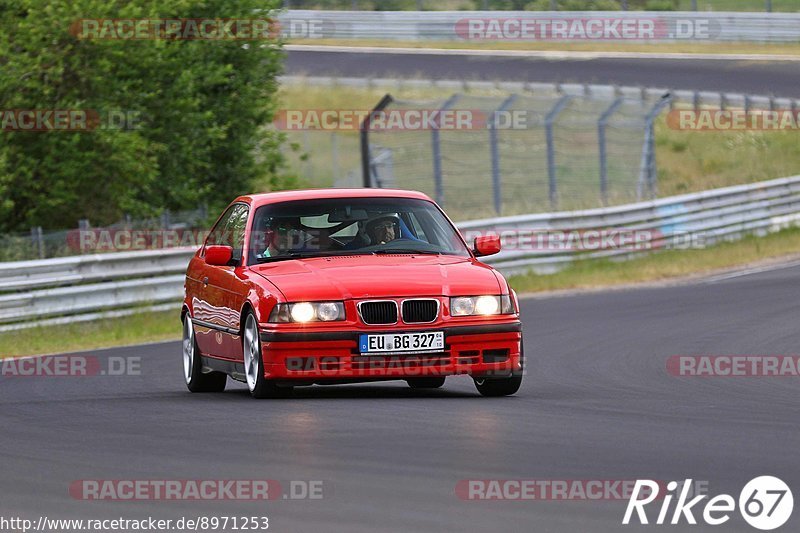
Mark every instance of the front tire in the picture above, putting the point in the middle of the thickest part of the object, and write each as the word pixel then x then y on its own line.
pixel 259 386
pixel 493 387
pixel 425 383
pixel 196 380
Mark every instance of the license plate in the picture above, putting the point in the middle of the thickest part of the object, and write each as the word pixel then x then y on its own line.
pixel 428 341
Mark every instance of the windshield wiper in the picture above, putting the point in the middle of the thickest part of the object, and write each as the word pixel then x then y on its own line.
pixel 385 251
pixel 288 255
pixel 308 255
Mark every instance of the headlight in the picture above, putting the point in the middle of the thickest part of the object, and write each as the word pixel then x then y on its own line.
pixel 302 312
pixel 481 305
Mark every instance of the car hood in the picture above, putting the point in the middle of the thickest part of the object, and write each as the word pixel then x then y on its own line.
pixel 379 276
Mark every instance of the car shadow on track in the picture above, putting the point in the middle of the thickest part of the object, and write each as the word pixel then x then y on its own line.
pixel 362 391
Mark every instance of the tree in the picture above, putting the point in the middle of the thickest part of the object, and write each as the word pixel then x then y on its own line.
pixel 195 110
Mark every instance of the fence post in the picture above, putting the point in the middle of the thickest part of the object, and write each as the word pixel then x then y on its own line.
pixel 551 151
pixel 694 5
pixel 307 154
pixel 335 156
pixel 768 6
pixel 601 142
pixel 495 153
pixel 647 170
pixel 37 238
pixel 366 167
pixel 436 150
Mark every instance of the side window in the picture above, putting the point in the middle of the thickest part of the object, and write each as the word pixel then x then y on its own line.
pixel 229 231
pixel 217 235
pixel 235 230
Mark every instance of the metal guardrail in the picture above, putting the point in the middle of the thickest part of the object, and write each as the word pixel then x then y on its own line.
pixel 28 275
pixel 668 26
pixel 715 215
pixel 90 287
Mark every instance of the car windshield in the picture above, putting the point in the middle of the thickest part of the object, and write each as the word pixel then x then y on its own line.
pixel 351 226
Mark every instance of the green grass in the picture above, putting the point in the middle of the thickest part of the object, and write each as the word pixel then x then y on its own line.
pixel 553 46
pixel 593 273
pixel 790 6
pixel 690 161
pixel 134 329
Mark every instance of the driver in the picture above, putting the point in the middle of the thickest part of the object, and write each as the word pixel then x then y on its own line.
pixel 383 229
pixel 283 236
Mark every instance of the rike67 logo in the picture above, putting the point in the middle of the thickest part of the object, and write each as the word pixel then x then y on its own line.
pixel 766 503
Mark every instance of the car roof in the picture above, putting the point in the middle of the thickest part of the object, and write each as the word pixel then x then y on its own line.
pixel 257 200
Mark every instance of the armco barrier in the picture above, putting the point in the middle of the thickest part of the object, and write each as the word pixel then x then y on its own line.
pixel 669 26
pixel 55 291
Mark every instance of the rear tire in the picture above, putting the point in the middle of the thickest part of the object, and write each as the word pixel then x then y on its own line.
pixel 425 383
pixel 259 386
pixel 493 387
pixel 196 380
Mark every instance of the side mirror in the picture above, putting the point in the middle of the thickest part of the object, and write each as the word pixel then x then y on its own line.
pixel 218 255
pixel 486 245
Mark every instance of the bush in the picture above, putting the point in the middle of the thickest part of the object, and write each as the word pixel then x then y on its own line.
pixel 202 106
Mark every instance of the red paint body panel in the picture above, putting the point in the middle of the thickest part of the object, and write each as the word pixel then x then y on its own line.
pixel 218 296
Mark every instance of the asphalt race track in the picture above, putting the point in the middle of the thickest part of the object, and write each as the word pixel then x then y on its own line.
pixel 780 78
pixel 597 404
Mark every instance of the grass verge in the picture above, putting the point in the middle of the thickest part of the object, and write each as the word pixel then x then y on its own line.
pixel 105 333
pixel 552 46
pixel 150 327
pixel 670 264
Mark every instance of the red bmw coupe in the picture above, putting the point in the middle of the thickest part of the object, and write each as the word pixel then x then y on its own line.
pixel 339 286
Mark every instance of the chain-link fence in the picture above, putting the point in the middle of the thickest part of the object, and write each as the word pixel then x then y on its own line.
pixel 571 147
pixel 789 6
pixel 170 229
pixel 519 153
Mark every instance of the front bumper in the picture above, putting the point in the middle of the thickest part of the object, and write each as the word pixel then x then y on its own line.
pixel 320 356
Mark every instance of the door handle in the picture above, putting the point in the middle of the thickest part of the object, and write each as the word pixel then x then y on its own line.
pixel 205 281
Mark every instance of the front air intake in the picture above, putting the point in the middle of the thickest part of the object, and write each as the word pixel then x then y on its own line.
pixel 378 313
pixel 420 311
